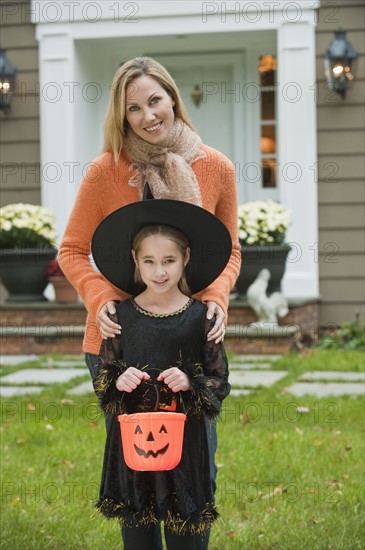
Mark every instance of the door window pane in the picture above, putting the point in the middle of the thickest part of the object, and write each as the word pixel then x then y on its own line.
pixel 267 105
pixel 267 72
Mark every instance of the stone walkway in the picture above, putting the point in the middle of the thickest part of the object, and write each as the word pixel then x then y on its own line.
pixel 247 374
pixel 34 380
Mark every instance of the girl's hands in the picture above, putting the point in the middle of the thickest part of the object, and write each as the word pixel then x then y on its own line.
pixel 175 379
pixel 130 379
pixel 107 327
pixel 218 331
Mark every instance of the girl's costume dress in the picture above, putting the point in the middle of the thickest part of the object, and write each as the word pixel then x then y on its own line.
pixel 183 497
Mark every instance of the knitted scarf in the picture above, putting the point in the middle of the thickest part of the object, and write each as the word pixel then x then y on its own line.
pixel 167 166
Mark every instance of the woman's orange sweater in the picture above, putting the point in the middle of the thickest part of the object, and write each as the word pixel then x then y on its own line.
pixel 105 189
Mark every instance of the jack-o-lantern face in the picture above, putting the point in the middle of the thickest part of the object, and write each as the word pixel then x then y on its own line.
pixel 152 441
pixel 150 452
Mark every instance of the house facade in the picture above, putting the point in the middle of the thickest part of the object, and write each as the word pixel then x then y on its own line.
pixel 251 77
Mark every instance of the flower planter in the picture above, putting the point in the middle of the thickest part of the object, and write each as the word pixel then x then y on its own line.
pixel 257 257
pixel 24 273
pixel 65 293
pixel 27 239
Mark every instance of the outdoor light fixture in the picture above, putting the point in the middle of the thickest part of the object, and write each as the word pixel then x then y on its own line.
pixel 338 63
pixel 196 95
pixel 7 81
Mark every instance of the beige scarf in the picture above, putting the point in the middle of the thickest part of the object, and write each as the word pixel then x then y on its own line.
pixel 167 166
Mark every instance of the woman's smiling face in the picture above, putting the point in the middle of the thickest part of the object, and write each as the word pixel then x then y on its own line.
pixel 149 109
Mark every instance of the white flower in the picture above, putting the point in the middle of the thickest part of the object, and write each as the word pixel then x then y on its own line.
pixel 26 225
pixel 262 222
pixel 242 234
pixel 6 226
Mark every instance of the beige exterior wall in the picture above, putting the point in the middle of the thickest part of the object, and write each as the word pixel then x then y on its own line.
pixel 341 171
pixel 19 130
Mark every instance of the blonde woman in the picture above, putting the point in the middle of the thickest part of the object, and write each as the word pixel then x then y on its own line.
pixel 148 138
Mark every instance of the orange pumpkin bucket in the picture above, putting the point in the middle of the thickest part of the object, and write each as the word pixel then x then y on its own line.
pixel 152 441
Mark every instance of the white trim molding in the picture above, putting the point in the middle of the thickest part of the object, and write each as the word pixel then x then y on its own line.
pixel 297 153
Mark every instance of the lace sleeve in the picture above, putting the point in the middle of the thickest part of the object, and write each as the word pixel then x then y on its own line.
pixel 210 379
pixel 110 368
pixel 111 350
pixel 215 365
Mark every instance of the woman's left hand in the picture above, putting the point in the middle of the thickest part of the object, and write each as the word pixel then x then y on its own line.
pixel 219 329
pixel 175 379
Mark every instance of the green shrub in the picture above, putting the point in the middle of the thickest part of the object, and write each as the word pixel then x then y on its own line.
pixel 350 336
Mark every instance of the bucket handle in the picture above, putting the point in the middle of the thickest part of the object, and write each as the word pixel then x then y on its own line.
pixel 158 393
pixel 156 388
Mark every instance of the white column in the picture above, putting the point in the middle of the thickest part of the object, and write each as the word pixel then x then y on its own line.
pixel 297 155
pixel 57 91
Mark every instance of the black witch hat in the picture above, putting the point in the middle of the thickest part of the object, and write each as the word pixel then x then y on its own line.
pixel 209 240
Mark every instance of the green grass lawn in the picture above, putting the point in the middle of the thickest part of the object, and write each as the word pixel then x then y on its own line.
pixel 287 479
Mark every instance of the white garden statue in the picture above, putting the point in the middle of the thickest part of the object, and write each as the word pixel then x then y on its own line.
pixel 267 308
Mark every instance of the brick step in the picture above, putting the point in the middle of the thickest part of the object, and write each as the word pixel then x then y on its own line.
pixel 43 339
pixel 48 327
pixel 266 339
pixel 42 331
pixel 42 313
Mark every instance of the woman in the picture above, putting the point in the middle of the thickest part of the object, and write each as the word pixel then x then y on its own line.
pixel 148 138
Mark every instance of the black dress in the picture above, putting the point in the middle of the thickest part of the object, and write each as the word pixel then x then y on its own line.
pixel 183 497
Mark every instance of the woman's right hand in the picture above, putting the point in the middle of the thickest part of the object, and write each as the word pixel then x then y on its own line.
pixel 107 327
pixel 130 379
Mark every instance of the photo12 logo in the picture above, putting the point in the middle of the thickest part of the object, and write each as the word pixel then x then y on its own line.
pixel 273 11
pixel 54 12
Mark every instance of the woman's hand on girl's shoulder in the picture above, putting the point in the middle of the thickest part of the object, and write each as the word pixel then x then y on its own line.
pixel 130 379
pixel 219 329
pixel 108 328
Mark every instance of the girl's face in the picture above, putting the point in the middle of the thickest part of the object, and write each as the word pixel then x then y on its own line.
pixel 160 263
pixel 149 109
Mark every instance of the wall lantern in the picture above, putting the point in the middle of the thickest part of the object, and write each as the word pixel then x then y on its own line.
pixel 7 81
pixel 339 63
pixel 196 95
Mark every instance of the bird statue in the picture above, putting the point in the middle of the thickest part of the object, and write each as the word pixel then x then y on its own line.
pixel 267 308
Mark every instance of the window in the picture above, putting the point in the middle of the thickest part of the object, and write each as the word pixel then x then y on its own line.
pixel 267 71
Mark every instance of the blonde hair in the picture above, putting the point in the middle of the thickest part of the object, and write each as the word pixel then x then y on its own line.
pixel 116 125
pixel 174 235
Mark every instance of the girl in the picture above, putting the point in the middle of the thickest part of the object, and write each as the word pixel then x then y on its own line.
pixel 163 345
